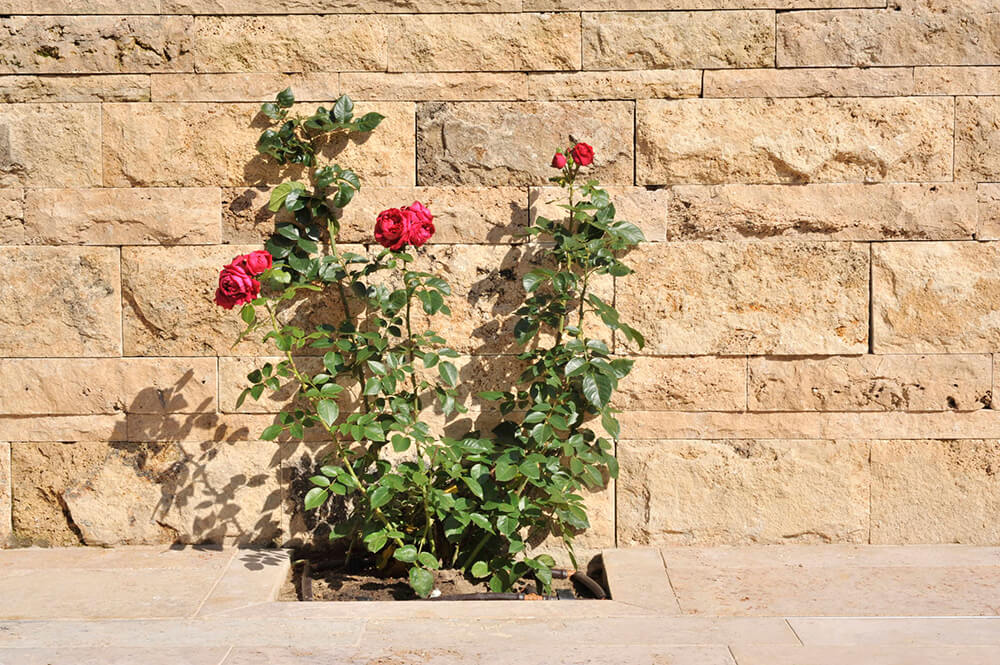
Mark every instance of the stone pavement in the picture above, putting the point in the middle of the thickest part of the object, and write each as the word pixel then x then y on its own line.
pixel 773 605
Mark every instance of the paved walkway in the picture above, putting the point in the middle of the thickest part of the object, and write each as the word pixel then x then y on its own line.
pixel 790 605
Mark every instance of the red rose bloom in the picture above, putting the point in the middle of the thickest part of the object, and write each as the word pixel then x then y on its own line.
pixel 583 154
pixel 558 160
pixel 236 285
pixel 421 224
pixel 259 261
pixel 392 228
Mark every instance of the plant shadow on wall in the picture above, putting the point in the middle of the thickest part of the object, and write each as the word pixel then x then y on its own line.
pixel 379 434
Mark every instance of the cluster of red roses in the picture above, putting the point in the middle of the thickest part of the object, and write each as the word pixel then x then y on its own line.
pixel 237 281
pixel 410 225
pixel 582 154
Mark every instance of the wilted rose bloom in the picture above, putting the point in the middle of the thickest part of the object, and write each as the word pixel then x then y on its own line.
pixel 259 261
pixel 392 228
pixel 236 285
pixel 421 224
pixel 583 154
pixel 558 160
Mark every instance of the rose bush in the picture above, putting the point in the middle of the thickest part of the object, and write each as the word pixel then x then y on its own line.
pixel 411 498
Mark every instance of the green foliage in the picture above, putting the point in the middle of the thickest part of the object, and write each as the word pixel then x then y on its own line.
pixel 472 502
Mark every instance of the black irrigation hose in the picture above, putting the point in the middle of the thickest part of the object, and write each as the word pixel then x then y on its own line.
pixel 495 596
pixel 583 580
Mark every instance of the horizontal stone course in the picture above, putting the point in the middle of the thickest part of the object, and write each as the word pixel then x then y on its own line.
pixel 75 88
pixel 696 383
pixel 435 86
pixel 336 6
pixel 956 80
pixel 243 87
pixel 794 140
pixel 641 84
pixel 818 82
pixel 663 5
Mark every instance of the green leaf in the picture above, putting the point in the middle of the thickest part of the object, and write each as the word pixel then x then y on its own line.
pixel 380 497
pixel 285 98
pixel 248 314
pixel 506 524
pixel 320 481
pixel 491 395
pixel 406 554
pixel 448 373
pixel 422 581
pixel 271 433
pixel 480 570
pixel 611 425
pixel 368 122
pixel 315 497
pixel 343 109
pixel 328 411
pixel 280 192
pixel 473 486
pixel 428 560
pixel 505 472
pixel 597 388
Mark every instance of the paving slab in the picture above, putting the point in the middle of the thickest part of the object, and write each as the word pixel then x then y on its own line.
pixel 114 656
pixel 866 655
pixel 442 609
pixel 923 631
pixel 638 577
pixel 251 577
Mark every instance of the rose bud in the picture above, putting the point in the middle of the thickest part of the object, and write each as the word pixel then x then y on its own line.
pixel 583 154
pixel 558 161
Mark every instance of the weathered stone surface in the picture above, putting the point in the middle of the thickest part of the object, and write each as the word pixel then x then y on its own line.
pixel 989 212
pixel 977 141
pixel 87 88
pixel 11 216
pixel 37 386
pixel 484 42
pixel 64 428
pixel 645 84
pixel 957 35
pixel 99 44
pixel 742 491
pixel 191 144
pixel 758 298
pixel 5 520
pixel 477 143
pixel 338 6
pixel 945 211
pixel 42 144
pixel 936 297
pixel 794 140
pixel 161 216
pixel 698 383
pixel 678 40
pixel 956 80
pixel 935 492
pixel 247 87
pixel 462 215
pixel 290 43
pixel 662 5
pixel 170 311
pixel 646 208
pixel 871 383
pixel 835 82
pixel 60 301
pixel 77 6
pixel 431 86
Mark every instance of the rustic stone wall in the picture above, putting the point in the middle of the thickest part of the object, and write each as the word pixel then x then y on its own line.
pixel 819 180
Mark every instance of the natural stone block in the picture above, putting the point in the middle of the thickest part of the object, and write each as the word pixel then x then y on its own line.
pixel 244 87
pixel 42 144
pixel 945 211
pixel 646 208
pixel 170 310
pixel 484 42
pixel 935 492
pixel 190 144
pixel 956 80
pixel 678 40
pixel 834 82
pixel 742 491
pixel 11 216
pixel 432 86
pixel 954 35
pixel 5 519
pixel 794 140
pixel 663 5
pixel 645 84
pixel 290 43
pixel 936 297
pixel 77 6
pixel 698 383
pixel 60 301
pixel 477 143
pixel 871 383
pixel 162 216
pixel 64 428
pixel 98 44
pixel 339 6
pixel 989 212
pixel 35 386
pixel 86 88
pixel 977 141
pixel 757 298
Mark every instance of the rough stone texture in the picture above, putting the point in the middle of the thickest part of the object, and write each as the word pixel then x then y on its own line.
pixel 678 40
pixel 87 88
pixel 429 86
pixel 943 211
pixel 64 428
pixel 5 476
pixel 478 143
pixel 742 491
pixel 758 298
pixel 956 80
pixel 794 140
pixel 871 383
pixel 168 311
pixel 809 82
pixel 247 87
pixel 77 6
pixel 11 216
pixel 484 42
pixel 989 212
pixel 337 6
pixel 935 491
pixel 660 5
pixel 646 84
pixel 936 297
pixel 649 209
pixel 73 307
pixel 699 383
pixel 977 141
pixel 290 43
pixel 167 216
pixel 192 144
pixel 34 386
pixel 44 144
pixel 98 44
pixel 956 35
